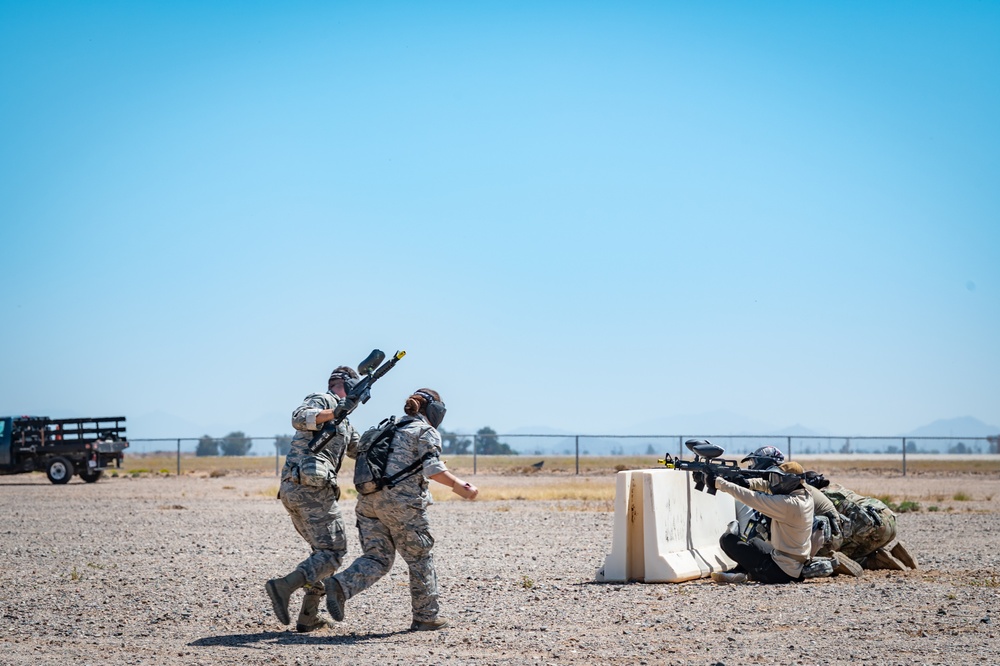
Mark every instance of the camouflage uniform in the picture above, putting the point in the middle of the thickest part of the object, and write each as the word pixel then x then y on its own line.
pixel 867 523
pixel 395 519
pixel 309 491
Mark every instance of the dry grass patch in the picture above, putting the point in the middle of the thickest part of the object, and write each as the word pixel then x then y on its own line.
pixel 894 465
pixel 597 490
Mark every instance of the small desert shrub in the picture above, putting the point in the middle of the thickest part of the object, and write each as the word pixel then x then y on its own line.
pixel 906 506
pixel 962 496
pixel 934 507
pixel 216 473
pixel 527 583
pixel 992 581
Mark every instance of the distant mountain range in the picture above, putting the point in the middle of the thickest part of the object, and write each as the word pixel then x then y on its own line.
pixel 965 426
pixel 748 435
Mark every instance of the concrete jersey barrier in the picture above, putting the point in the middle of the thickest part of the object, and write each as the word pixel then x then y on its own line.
pixel 665 531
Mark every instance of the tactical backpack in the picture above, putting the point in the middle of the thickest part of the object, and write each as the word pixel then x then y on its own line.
pixel 374 450
pixel 868 524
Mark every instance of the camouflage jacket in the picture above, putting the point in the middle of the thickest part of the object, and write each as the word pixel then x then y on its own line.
pixel 867 523
pixel 304 467
pixel 415 439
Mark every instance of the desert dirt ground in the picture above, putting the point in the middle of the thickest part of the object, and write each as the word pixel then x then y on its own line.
pixel 170 570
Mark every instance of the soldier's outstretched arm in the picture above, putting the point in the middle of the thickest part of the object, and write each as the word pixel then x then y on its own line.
pixel 459 487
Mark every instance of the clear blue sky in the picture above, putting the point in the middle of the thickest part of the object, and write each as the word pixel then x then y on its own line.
pixel 576 215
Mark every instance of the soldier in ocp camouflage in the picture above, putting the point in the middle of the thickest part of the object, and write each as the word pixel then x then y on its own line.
pixel 309 492
pixel 395 518
pixel 868 524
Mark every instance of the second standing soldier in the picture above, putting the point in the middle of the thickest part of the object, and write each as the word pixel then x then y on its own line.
pixel 309 493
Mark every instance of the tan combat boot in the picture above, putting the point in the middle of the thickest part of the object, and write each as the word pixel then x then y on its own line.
pixel 429 625
pixel 845 566
pixel 900 553
pixel 883 559
pixel 309 619
pixel 280 590
pixel 335 599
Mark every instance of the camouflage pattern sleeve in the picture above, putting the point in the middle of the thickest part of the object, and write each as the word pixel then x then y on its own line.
pixel 304 416
pixel 352 444
pixel 430 442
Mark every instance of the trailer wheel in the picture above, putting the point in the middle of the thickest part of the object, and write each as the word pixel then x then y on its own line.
pixel 60 470
pixel 91 476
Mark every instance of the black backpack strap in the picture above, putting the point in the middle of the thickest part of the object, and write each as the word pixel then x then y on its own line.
pixel 406 472
pixel 409 470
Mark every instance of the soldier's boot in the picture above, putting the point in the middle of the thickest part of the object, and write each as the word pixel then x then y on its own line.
pixel 883 559
pixel 309 619
pixel 335 598
pixel 900 553
pixel 845 566
pixel 729 577
pixel 429 625
pixel 280 590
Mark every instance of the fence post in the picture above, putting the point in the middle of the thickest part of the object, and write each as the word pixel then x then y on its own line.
pixel 578 455
pixel 680 446
pixel 178 457
pixel 904 456
pixel 789 447
pixel 475 440
pixel 277 455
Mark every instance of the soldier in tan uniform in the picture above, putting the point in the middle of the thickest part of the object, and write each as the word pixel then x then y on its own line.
pixel 790 507
pixel 309 492
pixel 394 519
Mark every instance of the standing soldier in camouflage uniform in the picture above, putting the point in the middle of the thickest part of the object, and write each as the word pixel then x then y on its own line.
pixel 309 493
pixel 395 517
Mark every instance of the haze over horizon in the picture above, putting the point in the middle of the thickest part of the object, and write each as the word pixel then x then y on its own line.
pixel 578 216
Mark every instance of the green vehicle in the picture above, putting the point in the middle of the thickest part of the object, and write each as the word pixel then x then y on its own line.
pixel 61 447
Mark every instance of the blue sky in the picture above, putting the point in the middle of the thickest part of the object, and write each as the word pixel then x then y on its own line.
pixel 585 216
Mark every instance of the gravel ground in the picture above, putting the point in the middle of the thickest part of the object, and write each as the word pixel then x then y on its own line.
pixel 171 571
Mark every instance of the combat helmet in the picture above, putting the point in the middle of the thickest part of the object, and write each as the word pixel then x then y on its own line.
pixel 765 457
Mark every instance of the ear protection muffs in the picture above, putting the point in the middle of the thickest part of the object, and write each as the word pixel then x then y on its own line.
pixel 434 410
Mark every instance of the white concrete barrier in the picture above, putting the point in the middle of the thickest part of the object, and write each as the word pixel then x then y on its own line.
pixel 665 531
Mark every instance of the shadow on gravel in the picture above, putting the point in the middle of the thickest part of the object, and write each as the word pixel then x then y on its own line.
pixel 289 638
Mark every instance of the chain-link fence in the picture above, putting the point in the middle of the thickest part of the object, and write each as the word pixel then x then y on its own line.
pixel 183 452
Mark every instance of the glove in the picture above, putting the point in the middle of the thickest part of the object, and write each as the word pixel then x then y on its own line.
pixel 698 478
pixel 737 479
pixel 345 406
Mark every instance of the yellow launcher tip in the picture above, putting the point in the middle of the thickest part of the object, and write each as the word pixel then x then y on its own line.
pixel 400 354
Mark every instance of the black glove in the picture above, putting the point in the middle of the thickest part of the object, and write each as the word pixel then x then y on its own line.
pixel 737 479
pixel 345 406
pixel 698 478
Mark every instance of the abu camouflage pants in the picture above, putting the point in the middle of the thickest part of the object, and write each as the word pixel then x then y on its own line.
pixel 386 526
pixel 317 518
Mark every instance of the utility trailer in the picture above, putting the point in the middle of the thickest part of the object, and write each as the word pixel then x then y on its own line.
pixel 61 447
